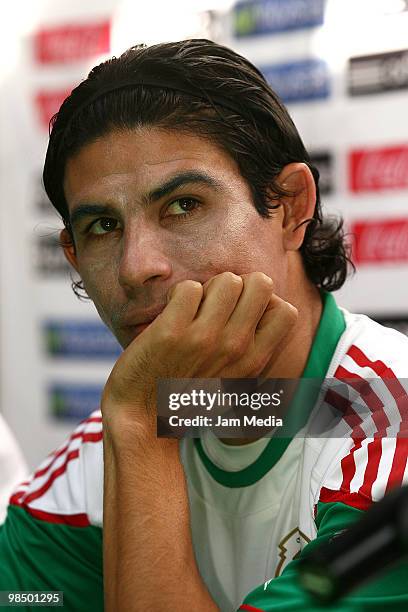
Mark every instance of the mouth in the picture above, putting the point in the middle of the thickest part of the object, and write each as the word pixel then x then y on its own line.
pixel 136 325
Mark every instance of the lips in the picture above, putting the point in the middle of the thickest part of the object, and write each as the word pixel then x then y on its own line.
pixel 142 320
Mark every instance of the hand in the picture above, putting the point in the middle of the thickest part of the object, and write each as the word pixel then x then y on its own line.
pixel 230 327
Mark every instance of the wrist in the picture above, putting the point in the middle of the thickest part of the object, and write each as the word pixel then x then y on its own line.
pixel 121 416
pixel 125 431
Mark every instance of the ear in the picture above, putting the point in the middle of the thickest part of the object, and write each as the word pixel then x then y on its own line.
pixel 68 246
pixel 297 179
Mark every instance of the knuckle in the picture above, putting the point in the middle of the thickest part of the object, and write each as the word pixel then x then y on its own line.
pixel 281 314
pixel 288 312
pixel 262 279
pixel 192 286
pixel 235 347
pixel 225 284
pixel 169 336
pixel 259 281
pixel 257 366
pixel 187 288
pixel 203 341
pixel 229 278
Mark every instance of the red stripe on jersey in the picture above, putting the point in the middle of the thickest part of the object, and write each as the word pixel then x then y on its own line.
pixel 399 462
pixel 55 456
pixel 86 437
pixel 14 499
pixel 357 500
pixel 345 407
pixel 74 436
pixel 380 419
pixel 55 474
pixel 94 419
pixel 250 608
pixel 361 359
pixel 371 399
pixel 92 437
pixel 74 520
pixel 394 386
pixel 374 452
pixel 348 465
pixel 399 394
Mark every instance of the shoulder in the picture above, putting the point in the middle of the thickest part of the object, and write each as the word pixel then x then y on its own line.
pixel 67 488
pixel 365 454
pixel 381 350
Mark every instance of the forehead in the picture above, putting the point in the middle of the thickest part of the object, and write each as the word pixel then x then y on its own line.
pixel 139 159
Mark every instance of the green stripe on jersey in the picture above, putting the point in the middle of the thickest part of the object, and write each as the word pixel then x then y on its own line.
pixel 38 556
pixel 329 331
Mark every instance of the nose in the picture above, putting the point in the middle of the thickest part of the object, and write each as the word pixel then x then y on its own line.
pixel 143 258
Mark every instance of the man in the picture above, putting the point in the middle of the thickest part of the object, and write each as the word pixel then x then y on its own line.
pixel 192 215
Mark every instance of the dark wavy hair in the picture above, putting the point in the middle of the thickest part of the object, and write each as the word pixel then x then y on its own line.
pixel 216 94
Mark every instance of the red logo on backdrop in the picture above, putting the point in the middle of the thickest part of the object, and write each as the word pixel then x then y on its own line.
pixel 380 241
pixel 377 169
pixel 48 103
pixel 71 42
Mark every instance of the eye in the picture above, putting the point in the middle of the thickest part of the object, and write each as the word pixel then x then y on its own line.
pixel 104 225
pixel 181 207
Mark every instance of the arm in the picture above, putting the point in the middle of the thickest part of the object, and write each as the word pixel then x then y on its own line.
pixel 149 558
pixel 149 562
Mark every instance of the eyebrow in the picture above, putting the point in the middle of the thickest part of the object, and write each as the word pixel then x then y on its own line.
pixel 90 210
pixel 179 180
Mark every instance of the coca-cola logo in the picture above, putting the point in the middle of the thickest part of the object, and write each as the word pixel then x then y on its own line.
pixel 380 241
pixel 71 42
pixel 373 170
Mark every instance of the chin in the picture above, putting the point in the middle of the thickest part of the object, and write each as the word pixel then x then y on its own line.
pixel 131 333
pixel 123 338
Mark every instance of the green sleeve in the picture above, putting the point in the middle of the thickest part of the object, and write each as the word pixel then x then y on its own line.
pixel 37 555
pixel 284 594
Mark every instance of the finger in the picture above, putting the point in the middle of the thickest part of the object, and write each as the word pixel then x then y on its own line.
pixel 221 294
pixel 277 321
pixel 254 299
pixel 184 300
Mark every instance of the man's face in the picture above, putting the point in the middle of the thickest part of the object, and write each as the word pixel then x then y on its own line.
pixel 150 208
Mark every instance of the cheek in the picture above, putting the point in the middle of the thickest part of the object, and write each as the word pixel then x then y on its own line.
pixel 100 282
pixel 207 251
pixel 235 241
pixel 255 244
